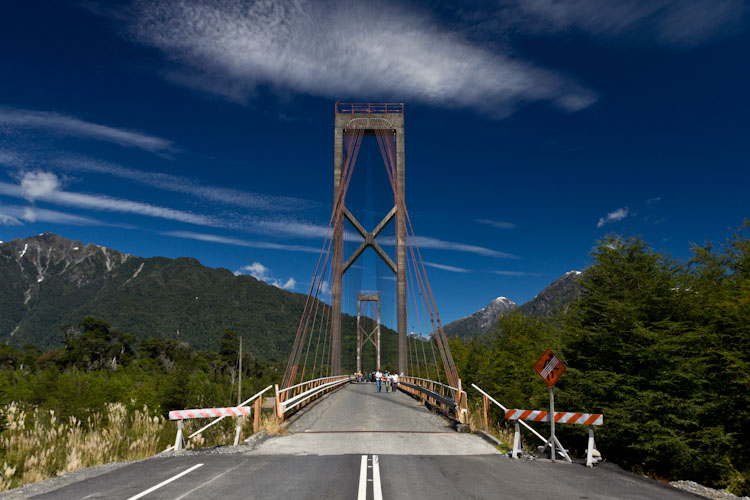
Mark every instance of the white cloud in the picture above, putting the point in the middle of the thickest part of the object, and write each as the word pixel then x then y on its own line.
pixel 75 127
pixel 261 272
pixel 383 50
pixel 653 201
pixel 447 268
pixel 498 224
pixel 39 184
pixel 668 22
pixel 212 238
pixel 614 216
pixel 516 273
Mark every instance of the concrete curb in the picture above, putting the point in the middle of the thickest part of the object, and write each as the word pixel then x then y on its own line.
pixel 489 438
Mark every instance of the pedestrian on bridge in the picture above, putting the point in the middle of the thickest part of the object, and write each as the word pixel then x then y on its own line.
pixel 394 382
pixel 379 379
pixel 387 382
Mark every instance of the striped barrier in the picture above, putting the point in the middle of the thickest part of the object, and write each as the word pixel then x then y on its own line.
pixel 231 411
pixel 561 417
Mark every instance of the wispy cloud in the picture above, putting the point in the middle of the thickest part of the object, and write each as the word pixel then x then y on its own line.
pixel 21 214
pixel 498 224
pixel 428 242
pixel 179 184
pixel 261 272
pixel 667 22
pixel 653 201
pixel 516 273
pixel 614 216
pixel 75 127
pixel 9 220
pixel 45 186
pixel 212 238
pixel 319 48
pixel 452 269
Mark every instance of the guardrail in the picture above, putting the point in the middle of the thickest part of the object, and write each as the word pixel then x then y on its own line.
pixel 235 411
pixel 447 398
pixel 370 108
pixel 296 396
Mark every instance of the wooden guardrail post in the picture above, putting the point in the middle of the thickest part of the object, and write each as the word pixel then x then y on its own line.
pixel 279 414
pixel 486 412
pixel 256 413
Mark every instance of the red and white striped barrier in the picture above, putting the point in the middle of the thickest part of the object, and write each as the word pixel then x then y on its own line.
pixel 232 411
pixel 561 417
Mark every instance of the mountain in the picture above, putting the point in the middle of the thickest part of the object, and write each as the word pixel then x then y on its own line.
pixel 482 320
pixel 555 298
pixel 49 281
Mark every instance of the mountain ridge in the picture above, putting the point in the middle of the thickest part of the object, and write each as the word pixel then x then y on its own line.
pixel 555 298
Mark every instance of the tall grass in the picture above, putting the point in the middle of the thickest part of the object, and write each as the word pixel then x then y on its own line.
pixel 38 445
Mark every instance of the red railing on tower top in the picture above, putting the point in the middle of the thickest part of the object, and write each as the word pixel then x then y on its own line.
pixel 370 108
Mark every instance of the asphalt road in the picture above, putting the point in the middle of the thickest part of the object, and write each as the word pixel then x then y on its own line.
pixel 357 444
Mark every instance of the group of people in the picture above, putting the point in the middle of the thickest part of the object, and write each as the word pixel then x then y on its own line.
pixel 387 379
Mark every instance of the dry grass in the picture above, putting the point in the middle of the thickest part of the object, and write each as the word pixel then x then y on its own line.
pixel 37 445
pixel 269 424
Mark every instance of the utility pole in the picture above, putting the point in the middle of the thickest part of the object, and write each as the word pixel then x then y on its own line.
pixel 239 396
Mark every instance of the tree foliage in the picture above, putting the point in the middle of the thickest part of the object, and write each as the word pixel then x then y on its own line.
pixel 661 347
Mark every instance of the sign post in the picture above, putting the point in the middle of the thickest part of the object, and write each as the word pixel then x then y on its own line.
pixel 550 368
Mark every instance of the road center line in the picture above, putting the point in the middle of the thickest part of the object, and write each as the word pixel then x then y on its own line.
pixel 164 483
pixel 362 494
pixel 377 492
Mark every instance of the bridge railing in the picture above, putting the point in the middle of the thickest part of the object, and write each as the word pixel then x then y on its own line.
pixel 292 398
pixel 236 411
pixel 451 400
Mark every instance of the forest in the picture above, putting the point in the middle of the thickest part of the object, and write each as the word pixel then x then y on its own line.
pixel 661 347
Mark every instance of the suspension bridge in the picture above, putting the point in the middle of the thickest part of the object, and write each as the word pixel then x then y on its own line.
pixel 370 307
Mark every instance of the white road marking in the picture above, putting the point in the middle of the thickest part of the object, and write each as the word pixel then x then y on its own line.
pixel 362 494
pixel 184 495
pixel 377 492
pixel 164 483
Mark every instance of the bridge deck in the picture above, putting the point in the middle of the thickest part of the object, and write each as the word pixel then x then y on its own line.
pixel 357 419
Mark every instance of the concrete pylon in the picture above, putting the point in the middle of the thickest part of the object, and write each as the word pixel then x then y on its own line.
pixel 369 119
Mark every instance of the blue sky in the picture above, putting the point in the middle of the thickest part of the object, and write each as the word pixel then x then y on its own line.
pixel 533 128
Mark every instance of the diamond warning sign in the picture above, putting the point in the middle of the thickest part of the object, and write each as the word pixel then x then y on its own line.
pixel 549 367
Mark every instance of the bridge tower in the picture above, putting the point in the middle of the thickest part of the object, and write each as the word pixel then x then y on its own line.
pixel 364 336
pixel 356 120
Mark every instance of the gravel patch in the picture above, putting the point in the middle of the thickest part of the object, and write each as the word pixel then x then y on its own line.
pixel 705 491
